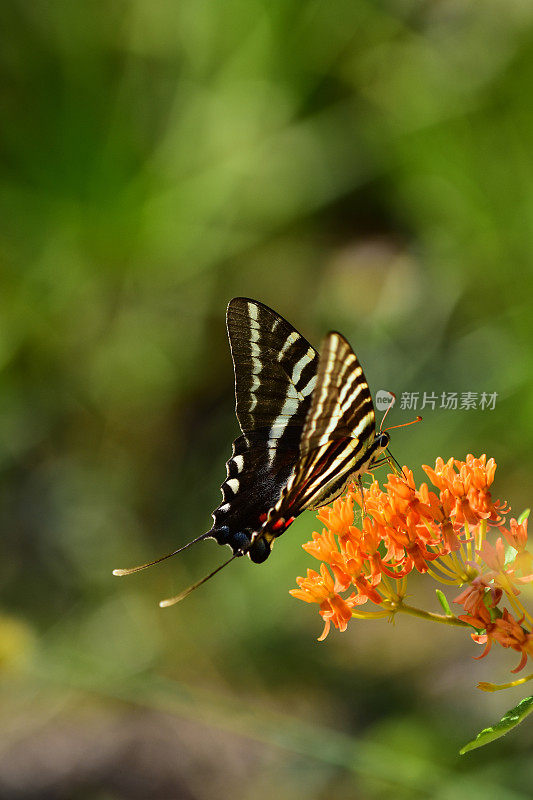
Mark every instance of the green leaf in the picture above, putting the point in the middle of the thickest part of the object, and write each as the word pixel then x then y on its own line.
pixel 441 597
pixel 507 722
pixel 523 516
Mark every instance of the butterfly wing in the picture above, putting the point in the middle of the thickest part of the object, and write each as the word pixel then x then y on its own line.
pixel 308 422
pixel 275 374
pixel 275 370
pixel 338 438
pixel 341 406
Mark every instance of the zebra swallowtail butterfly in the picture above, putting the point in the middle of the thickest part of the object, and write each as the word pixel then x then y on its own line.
pixel 308 428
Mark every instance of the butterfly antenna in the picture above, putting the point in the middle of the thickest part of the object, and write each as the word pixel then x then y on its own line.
pixel 403 424
pixel 131 570
pixel 391 403
pixel 171 601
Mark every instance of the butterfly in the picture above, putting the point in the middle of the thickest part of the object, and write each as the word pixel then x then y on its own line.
pixel 308 428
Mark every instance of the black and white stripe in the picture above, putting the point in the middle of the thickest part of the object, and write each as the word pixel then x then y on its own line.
pixel 275 369
pixel 338 440
pixel 341 404
pixel 307 422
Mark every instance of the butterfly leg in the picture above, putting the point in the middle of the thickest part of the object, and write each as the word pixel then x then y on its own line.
pixel 381 462
pixel 395 464
pixel 391 461
pixel 362 490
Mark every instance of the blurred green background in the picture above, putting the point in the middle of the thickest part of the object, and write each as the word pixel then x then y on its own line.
pixel 357 165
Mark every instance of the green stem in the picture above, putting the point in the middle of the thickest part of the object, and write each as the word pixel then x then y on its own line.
pixel 444 618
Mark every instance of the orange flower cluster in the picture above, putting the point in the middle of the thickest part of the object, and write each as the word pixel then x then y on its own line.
pixel 444 533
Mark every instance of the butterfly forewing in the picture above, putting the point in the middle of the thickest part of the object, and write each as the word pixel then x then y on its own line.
pixel 275 373
pixel 339 428
pixel 341 405
pixel 275 369
pixel 307 422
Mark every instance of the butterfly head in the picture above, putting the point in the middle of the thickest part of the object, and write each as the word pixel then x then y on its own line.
pixel 382 440
pixel 376 455
pixel 381 454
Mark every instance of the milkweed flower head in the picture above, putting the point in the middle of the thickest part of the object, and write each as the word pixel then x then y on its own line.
pixel 451 529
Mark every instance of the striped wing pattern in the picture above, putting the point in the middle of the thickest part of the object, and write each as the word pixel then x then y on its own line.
pixel 341 405
pixel 275 375
pixel 338 440
pixel 275 369
pixel 307 422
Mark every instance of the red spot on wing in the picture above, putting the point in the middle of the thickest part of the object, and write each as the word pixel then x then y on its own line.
pixel 282 523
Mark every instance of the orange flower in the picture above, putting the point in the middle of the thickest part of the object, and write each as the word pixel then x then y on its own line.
pixel 340 516
pixel 509 633
pixel 338 610
pixel 476 599
pixel 316 587
pixel 517 538
pixel 502 573
pixel 324 547
pixel 467 483
pixel 493 556
pixel 443 533
pixel 320 588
